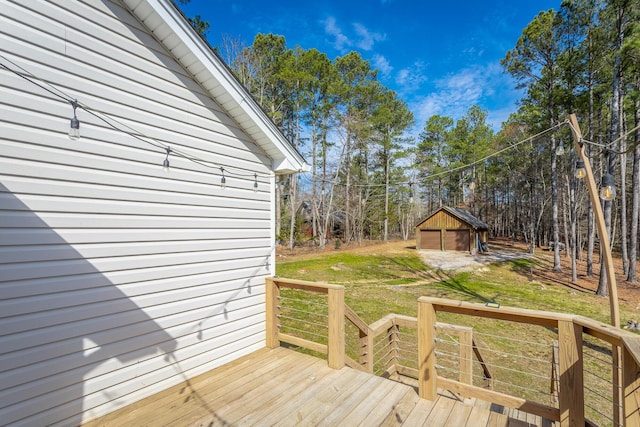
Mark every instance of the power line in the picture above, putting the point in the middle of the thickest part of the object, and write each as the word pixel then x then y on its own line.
pixel 449 171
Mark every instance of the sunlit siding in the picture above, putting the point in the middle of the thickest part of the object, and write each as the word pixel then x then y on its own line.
pixel 117 280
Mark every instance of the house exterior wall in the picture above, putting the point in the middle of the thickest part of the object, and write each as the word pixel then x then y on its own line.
pixel 117 280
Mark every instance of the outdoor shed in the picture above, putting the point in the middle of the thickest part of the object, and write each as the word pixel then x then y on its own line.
pixel 451 229
pixel 118 279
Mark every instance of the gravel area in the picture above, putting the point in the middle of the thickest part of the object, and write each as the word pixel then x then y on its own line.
pixel 462 261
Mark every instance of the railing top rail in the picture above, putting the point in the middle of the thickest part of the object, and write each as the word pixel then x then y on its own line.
pixel 608 333
pixel 600 330
pixel 304 285
pixel 521 315
pixel 381 325
pixel 632 344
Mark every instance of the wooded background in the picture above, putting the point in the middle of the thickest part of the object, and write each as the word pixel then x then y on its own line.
pixel 371 178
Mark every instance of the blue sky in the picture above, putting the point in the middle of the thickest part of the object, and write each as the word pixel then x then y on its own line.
pixel 440 57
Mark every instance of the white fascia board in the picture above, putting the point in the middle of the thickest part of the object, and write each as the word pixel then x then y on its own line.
pixel 241 104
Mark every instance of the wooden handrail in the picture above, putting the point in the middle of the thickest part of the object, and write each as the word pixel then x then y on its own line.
pixel 365 339
pixel 568 359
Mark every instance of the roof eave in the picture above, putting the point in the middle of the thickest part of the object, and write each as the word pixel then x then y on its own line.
pixel 170 28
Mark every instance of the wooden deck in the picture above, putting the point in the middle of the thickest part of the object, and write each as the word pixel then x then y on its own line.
pixel 285 388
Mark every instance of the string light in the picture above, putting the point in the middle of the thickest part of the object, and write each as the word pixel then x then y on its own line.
pixel 255 183
pixel 607 188
pixel 165 164
pixel 560 149
pixel 223 180
pixel 581 172
pixel 410 192
pixel 74 126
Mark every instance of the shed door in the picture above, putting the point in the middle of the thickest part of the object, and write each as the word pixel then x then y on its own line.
pixel 457 240
pixel 430 239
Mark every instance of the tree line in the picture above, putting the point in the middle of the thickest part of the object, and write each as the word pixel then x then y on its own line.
pixel 370 179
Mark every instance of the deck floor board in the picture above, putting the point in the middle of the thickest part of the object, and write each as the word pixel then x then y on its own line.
pixel 280 387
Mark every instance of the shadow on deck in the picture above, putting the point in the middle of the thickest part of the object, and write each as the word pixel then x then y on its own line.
pixel 286 388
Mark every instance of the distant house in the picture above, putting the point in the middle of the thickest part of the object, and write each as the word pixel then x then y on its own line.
pixel 118 280
pixel 451 229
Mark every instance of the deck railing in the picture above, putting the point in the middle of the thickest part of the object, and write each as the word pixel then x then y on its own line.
pixel 593 368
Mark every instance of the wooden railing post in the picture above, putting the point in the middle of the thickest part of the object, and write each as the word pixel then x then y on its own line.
pixel 394 348
pixel 571 396
pixel 631 381
pixel 427 381
pixel 336 345
pixel 366 350
pixel 465 349
pixel 272 295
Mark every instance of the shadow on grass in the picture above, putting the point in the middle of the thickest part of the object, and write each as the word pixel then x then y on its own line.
pixel 460 284
pixel 414 266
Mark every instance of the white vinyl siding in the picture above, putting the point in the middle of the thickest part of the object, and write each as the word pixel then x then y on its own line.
pixel 117 280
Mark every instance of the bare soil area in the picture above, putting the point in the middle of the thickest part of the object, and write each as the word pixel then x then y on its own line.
pixel 462 261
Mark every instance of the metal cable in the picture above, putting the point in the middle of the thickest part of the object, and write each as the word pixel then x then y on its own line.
pixel 304 312
pixel 512 339
pixel 321 304
pixel 520 387
pixel 602 396
pixel 302 331
pixel 306 322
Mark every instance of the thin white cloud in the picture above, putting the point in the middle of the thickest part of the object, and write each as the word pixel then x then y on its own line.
pixel 410 79
pixel 341 41
pixel 477 85
pixel 381 63
pixel 366 38
pixel 362 38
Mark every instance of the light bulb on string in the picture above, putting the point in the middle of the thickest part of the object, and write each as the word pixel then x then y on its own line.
pixel 223 180
pixel 607 188
pixel 165 164
pixel 255 183
pixel 560 149
pixel 580 172
pixel 74 126
pixel 410 192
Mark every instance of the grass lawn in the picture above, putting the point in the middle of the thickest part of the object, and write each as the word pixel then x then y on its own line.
pixel 378 284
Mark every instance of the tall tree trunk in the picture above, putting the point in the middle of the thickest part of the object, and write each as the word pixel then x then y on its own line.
pixel 315 220
pixel 293 188
pixel 293 211
pixel 566 213
pixel 615 130
pixel 635 205
pixel 591 233
pixel 386 197
pixel 347 204
pixel 325 210
pixel 573 209
pixel 554 204
pixel 624 252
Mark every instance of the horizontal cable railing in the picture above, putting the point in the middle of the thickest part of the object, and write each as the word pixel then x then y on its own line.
pixel 565 368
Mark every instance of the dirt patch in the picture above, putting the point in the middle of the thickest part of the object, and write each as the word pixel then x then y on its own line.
pixel 462 261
